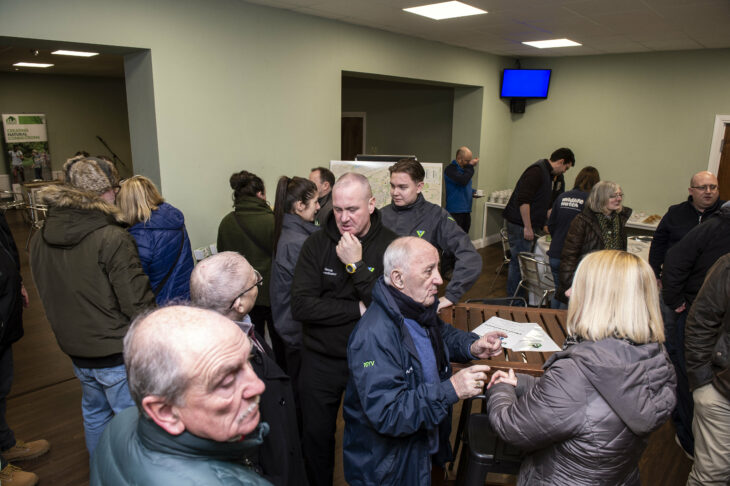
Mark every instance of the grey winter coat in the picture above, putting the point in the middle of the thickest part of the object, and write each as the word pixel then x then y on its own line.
pixel 587 420
pixel 294 231
pixel 432 223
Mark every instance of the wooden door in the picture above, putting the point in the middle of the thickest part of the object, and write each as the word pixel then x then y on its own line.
pixel 723 172
pixel 353 137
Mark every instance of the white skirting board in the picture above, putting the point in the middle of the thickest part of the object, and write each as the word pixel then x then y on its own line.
pixel 486 241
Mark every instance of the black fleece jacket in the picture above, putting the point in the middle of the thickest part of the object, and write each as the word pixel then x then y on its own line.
pixel 324 297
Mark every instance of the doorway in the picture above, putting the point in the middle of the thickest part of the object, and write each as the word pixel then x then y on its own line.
pixel 720 154
pixel 353 135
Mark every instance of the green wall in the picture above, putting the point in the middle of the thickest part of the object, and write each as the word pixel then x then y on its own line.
pixel 242 86
pixel 402 118
pixel 644 120
pixel 76 108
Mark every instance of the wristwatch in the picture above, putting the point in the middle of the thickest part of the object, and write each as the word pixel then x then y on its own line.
pixel 352 267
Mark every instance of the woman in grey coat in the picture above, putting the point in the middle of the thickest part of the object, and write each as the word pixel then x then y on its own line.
pixel 586 421
pixel 294 209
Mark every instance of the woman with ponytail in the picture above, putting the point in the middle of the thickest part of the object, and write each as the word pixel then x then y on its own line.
pixel 294 209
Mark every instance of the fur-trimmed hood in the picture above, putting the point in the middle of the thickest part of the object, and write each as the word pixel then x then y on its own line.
pixel 73 214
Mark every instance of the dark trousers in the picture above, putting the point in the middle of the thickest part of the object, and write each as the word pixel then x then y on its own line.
pixel 261 317
pixel 322 382
pixel 294 363
pixel 674 342
pixel 7 438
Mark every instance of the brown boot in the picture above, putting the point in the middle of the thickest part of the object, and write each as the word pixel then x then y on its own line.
pixel 26 450
pixel 14 476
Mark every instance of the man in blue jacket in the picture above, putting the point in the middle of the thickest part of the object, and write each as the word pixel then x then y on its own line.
pixel 459 192
pixel 400 390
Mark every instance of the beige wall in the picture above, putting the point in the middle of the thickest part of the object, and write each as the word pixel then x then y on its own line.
pixel 76 108
pixel 644 120
pixel 240 86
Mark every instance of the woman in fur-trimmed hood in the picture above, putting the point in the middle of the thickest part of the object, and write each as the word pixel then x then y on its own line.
pixel 90 280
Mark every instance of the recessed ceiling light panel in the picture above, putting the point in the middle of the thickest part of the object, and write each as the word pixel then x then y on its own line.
pixel 547 44
pixel 445 10
pixel 32 64
pixel 75 53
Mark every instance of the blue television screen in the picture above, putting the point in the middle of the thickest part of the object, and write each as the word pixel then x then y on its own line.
pixel 525 83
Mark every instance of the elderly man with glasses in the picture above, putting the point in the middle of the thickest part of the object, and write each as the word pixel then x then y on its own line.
pixel 702 203
pixel 228 284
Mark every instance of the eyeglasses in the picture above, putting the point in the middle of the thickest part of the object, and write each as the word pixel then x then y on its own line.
pixel 616 196
pixel 259 282
pixel 706 187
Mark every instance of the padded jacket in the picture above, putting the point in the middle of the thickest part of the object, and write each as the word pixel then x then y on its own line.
pixel 678 221
pixel 159 242
pixel 294 232
pixel 256 243
pixel 432 223
pixel 88 274
pixel 389 407
pixel 587 420
pixel 135 451
pixel 584 237
pixel 324 297
pixel 11 300
pixel 707 332
pixel 688 262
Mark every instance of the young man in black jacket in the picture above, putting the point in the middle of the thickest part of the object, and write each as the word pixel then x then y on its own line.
pixel 333 279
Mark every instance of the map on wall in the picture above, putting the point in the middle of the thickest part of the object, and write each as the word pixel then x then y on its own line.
pixel 379 177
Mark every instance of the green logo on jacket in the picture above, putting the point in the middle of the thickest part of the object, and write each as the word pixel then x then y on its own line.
pixel 372 269
pixel 420 233
pixel 368 364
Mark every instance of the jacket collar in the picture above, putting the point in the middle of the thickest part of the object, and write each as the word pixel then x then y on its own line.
pixel 186 444
pixel 252 203
pixel 712 209
pixel 292 222
pixel 325 199
pixel 65 196
pixel 418 202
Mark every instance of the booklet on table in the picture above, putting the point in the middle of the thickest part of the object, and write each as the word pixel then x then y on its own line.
pixel 521 336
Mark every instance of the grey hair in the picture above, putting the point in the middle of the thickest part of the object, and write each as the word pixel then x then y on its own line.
pixel 396 256
pixel 216 281
pixel 599 195
pixel 153 367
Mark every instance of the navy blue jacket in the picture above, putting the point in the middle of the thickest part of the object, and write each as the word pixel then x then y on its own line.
pixel 458 187
pixel 158 241
pixel 567 206
pixel 676 223
pixel 388 406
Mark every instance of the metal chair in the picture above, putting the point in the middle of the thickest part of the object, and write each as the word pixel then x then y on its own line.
pixel 506 255
pixel 537 277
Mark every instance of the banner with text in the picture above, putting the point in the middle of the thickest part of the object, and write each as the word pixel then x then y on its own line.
pixel 26 142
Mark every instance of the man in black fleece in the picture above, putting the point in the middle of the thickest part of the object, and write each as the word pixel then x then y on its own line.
pixel 333 279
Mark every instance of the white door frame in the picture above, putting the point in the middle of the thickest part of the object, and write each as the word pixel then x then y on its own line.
pixel 363 115
pixel 718 134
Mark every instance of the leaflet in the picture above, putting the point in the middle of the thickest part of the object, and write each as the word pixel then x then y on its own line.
pixel 521 336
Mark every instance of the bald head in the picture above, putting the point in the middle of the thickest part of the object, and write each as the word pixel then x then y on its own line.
pixel 352 181
pixel 160 346
pixel 411 266
pixel 463 156
pixel 217 280
pixel 703 189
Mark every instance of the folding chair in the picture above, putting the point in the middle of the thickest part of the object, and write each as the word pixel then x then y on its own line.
pixel 537 277
pixel 506 255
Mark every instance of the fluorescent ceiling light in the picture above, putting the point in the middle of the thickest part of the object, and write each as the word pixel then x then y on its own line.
pixel 75 53
pixel 32 64
pixel 445 10
pixel 546 44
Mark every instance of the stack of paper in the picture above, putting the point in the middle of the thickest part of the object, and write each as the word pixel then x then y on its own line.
pixel 521 336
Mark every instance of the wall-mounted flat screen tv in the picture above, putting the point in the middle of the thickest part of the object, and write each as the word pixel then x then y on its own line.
pixel 525 83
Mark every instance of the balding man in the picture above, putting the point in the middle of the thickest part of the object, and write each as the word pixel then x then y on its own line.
pixel 333 278
pixel 226 283
pixel 399 396
pixel 197 400
pixel 459 192
pixel 702 203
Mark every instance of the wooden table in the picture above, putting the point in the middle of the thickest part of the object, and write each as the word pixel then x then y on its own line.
pixel 469 316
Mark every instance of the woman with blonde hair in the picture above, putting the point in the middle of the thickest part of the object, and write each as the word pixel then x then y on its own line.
pixel 587 419
pixel 600 226
pixel 162 240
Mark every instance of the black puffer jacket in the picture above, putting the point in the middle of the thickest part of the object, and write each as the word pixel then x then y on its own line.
pixel 707 333
pixel 587 420
pixel 688 261
pixel 11 300
pixel 584 237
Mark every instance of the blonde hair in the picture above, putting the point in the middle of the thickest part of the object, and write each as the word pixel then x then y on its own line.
pixel 137 198
pixel 614 294
pixel 599 195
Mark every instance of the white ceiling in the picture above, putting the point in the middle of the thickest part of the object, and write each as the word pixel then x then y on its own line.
pixel 602 26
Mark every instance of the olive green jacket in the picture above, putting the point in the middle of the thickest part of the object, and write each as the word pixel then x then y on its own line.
pixel 88 274
pixel 256 243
